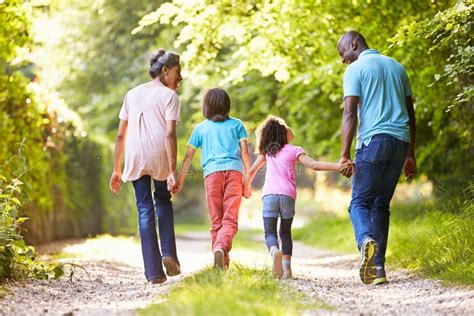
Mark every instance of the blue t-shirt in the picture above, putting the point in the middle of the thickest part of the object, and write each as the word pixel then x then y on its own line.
pixel 220 144
pixel 382 84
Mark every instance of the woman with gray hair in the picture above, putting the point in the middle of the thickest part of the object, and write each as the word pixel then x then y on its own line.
pixel 147 134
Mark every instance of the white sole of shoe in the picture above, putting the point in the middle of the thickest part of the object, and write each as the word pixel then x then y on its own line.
pixel 367 271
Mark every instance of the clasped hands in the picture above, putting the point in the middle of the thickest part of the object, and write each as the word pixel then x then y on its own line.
pixel 347 168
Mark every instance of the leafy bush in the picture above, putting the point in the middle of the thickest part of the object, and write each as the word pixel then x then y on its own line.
pixel 17 260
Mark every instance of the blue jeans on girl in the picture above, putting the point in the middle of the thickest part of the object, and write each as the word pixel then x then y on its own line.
pixel 147 225
pixel 274 206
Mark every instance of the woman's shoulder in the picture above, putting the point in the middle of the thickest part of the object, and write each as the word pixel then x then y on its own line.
pixel 139 88
pixel 151 87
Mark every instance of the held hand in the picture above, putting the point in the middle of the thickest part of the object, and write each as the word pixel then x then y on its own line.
pixel 115 182
pixel 410 168
pixel 171 182
pixel 177 188
pixel 347 167
pixel 247 192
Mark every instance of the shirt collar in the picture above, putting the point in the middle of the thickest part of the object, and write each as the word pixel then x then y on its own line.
pixel 368 51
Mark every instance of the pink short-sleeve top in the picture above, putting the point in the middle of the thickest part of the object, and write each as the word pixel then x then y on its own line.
pixel 280 176
pixel 147 107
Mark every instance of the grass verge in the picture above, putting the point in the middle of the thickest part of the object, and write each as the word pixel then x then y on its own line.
pixel 433 239
pixel 240 291
pixel 194 224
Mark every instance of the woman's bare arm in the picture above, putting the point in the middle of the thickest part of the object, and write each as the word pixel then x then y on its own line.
pixel 116 178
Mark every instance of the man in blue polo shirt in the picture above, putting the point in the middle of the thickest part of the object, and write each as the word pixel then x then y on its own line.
pixel 377 95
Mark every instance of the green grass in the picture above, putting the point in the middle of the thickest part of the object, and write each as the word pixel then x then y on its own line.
pixel 195 224
pixel 248 239
pixel 437 244
pixel 327 230
pixel 240 291
pixel 435 240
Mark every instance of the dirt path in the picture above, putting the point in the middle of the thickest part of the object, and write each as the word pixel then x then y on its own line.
pixel 334 279
pixel 117 284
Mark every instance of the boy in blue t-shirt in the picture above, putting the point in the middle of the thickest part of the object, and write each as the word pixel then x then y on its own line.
pixel 225 159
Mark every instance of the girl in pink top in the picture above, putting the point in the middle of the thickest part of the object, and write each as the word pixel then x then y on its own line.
pixel 279 190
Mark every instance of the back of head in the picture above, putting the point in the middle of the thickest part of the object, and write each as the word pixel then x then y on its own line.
pixel 162 58
pixel 353 36
pixel 350 45
pixel 216 105
pixel 272 135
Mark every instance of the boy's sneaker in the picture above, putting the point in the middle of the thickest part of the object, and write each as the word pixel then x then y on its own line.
pixel 157 280
pixel 277 269
pixel 172 267
pixel 368 251
pixel 381 278
pixel 219 259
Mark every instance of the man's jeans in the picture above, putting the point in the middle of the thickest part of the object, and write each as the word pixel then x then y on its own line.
pixel 377 170
pixel 147 225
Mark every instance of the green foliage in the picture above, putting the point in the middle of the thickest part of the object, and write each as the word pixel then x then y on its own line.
pixel 280 57
pixel 15 28
pixel 44 143
pixel 246 292
pixel 441 58
pixel 95 58
pixel 17 260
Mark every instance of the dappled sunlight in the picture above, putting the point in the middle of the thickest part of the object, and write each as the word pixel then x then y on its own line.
pixel 107 247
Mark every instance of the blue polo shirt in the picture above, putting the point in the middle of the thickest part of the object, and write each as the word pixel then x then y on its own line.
pixel 220 144
pixel 382 84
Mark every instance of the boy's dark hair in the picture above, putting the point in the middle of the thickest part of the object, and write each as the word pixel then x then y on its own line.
pixel 272 135
pixel 161 58
pixel 216 105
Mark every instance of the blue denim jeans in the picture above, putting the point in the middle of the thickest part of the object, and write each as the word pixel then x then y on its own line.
pixel 278 205
pixel 147 225
pixel 377 170
pixel 274 206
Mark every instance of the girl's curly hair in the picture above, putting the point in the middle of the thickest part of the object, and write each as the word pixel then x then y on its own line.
pixel 272 135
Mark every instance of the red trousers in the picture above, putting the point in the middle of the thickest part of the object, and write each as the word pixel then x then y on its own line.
pixel 224 194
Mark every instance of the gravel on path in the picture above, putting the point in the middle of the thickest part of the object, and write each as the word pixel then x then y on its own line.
pixel 117 285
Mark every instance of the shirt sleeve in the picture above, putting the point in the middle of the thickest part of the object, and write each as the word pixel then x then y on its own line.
pixel 195 140
pixel 172 109
pixel 297 150
pixel 123 115
pixel 242 132
pixel 351 82
pixel 406 83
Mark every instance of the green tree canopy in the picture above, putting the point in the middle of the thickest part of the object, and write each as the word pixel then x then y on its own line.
pixel 284 54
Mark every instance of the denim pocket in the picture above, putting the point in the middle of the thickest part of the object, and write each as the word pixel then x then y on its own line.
pixel 270 202
pixel 375 152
